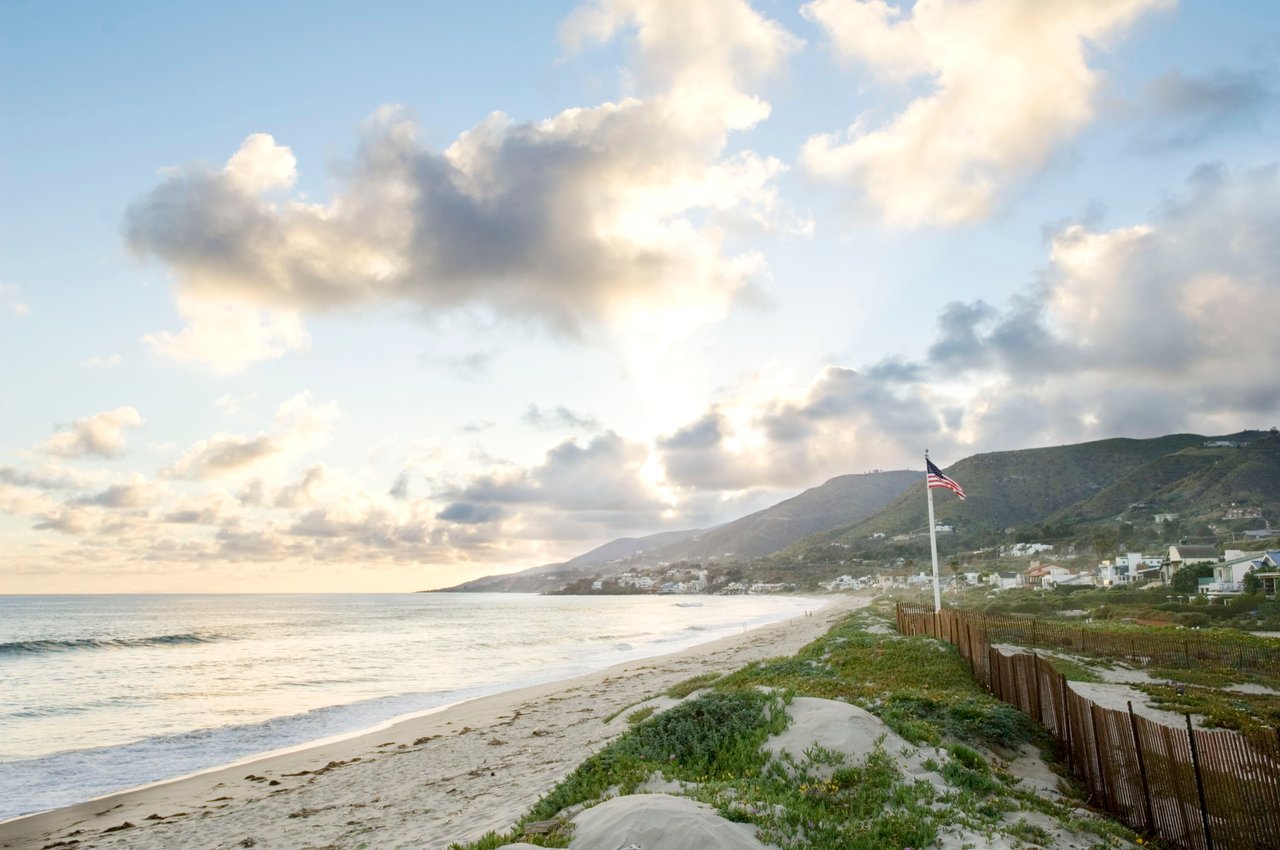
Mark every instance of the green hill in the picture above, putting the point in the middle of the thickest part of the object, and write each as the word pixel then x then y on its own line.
pixel 1117 479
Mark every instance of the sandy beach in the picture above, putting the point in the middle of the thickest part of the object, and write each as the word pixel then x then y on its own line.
pixel 424 782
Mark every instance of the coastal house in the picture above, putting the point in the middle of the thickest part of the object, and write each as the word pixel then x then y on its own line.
pixel 1004 580
pixel 1126 569
pixel 1046 576
pixel 1267 570
pixel 1228 576
pixel 1019 550
pixel 1191 556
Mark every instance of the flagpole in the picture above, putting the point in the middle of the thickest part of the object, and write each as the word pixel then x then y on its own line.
pixel 933 538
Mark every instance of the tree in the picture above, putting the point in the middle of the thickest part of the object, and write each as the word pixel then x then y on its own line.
pixel 1187 579
pixel 1104 545
pixel 1252 584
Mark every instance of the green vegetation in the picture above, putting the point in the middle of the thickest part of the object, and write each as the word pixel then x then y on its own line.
pixel 688 686
pixel 1222 709
pixel 640 714
pixel 1118 605
pixel 920 687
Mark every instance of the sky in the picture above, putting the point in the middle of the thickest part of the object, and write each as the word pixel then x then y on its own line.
pixel 388 296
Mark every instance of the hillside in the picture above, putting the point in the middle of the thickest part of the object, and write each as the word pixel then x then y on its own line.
pixel 552 576
pixel 1083 482
pixel 840 501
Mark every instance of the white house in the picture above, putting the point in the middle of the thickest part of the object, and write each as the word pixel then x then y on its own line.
pixel 1019 550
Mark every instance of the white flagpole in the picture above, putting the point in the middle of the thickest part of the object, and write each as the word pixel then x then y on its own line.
pixel 933 538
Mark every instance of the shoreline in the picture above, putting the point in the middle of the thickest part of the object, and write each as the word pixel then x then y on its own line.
pixel 449 774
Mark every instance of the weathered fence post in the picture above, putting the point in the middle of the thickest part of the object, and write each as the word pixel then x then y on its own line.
pixel 1035 678
pixel 1097 752
pixel 1195 764
pixel 1142 770
pixel 1066 726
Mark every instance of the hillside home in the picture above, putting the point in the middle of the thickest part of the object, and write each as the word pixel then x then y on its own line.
pixel 1267 569
pixel 1019 550
pixel 1159 518
pixel 1228 576
pixel 1126 568
pixel 1051 575
pixel 1191 556
pixel 1004 580
pixel 1261 533
pixel 844 583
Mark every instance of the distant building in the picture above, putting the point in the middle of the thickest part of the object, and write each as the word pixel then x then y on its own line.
pixel 1019 550
pixel 1190 556
pixel 1159 518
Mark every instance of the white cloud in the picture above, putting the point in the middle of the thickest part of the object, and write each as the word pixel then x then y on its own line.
pixel 1008 83
pixel 261 164
pixel 228 336
pixel 101 434
pixel 299 427
pixel 102 362
pixel 587 218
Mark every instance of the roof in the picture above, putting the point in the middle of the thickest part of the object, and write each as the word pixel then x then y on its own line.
pixel 1185 552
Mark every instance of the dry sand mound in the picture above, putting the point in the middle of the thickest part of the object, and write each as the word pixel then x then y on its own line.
pixel 655 821
pixel 851 731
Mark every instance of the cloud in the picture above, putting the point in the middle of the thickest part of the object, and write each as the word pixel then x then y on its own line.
pixel 304 493
pixel 594 216
pixel 299 426
pixel 101 362
pixel 577 492
pixel 400 487
pixel 101 435
pixel 11 295
pixel 137 493
pixel 1137 330
pixel 846 420
pixel 228 336
pixel 473 366
pixel 38 481
pixel 1181 111
pixel 465 513
pixel 1153 312
pixel 559 418
pixel 1007 84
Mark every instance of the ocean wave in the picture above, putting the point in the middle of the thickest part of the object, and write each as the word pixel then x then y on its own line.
pixel 31 647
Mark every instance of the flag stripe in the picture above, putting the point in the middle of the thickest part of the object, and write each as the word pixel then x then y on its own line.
pixel 937 480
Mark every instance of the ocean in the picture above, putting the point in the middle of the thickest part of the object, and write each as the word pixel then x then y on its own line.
pixel 103 693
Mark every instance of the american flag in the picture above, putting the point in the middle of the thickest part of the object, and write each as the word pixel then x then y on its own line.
pixel 937 479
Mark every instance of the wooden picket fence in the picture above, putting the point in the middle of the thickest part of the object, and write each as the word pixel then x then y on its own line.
pixel 1192 788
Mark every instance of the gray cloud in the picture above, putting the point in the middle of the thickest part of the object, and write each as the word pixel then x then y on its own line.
pixel 1134 331
pixel 466 513
pixel 120 496
pixel 302 494
pixel 22 478
pixel 1181 111
pixel 225 453
pixel 400 487
pixel 558 418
